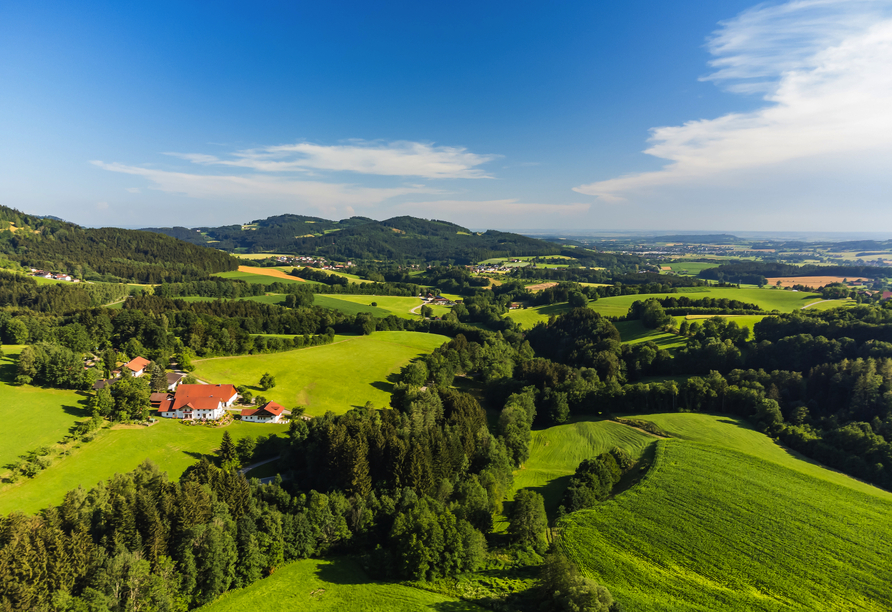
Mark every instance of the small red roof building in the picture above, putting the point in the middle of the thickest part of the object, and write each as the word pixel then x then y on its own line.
pixel 270 411
pixel 137 365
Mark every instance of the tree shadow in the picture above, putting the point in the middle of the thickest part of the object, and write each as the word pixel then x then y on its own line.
pixel 8 371
pixel 344 571
pixel 381 385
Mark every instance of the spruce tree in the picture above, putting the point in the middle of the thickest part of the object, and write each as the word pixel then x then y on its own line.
pixel 228 453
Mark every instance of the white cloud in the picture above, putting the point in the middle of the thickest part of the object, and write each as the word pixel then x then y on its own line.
pixel 387 159
pixel 260 188
pixel 825 65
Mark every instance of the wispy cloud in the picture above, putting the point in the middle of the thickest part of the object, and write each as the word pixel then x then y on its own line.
pixel 388 159
pixel 326 197
pixel 824 66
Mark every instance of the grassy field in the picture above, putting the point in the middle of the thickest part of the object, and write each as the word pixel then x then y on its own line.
pixel 768 299
pixel 170 444
pixel 386 305
pixel 332 584
pixel 831 304
pixel 741 320
pixel 726 519
pixel 51 413
pixel 334 377
pixel 690 268
pixel 529 317
pixel 258 279
pixel 351 277
pixel 556 452
pixel 633 332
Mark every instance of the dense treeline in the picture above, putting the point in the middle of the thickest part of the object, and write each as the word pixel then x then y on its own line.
pixel 106 254
pixel 755 272
pixel 20 291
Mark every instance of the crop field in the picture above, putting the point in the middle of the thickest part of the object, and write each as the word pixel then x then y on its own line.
pixel 710 528
pixel 810 281
pixel 541 286
pixel 262 276
pixel 51 412
pixel 333 377
pixel 170 444
pixel 338 585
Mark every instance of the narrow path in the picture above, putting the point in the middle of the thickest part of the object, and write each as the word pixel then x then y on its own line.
pixel 818 302
pixel 248 468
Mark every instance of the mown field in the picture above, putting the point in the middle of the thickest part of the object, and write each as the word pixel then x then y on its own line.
pixel 32 417
pixel 337 584
pixel 261 276
pixel 170 444
pixel 690 268
pixel 335 377
pixel 768 299
pixel 728 520
pixel 634 332
pixel 557 451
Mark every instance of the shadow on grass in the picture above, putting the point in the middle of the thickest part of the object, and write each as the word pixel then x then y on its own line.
pixel 8 370
pixel 342 570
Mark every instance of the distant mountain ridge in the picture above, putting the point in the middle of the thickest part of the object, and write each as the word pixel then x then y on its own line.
pixel 400 238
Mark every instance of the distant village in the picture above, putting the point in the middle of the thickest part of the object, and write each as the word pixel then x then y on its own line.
pixel 315 262
pixel 53 276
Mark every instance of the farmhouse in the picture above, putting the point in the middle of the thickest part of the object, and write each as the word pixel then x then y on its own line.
pixel 205 402
pixel 137 365
pixel 173 379
pixel 270 412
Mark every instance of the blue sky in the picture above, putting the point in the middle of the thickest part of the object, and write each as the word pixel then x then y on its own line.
pixel 513 115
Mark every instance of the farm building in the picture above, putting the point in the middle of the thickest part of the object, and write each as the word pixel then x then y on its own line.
pixel 270 412
pixel 205 402
pixel 137 365
pixel 173 379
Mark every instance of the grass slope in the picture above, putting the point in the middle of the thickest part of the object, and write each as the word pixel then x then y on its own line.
pixel 331 584
pixel 386 305
pixel 556 452
pixel 259 279
pixel 334 377
pixel 634 332
pixel 172 445
pixel 50 412
pixel 710 528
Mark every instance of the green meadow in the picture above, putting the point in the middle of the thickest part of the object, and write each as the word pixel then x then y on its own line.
pixel 634 332
pixel 259 279
pixel 352 371
pixel 768 299
pixel 171 444
pixel 338 584
pixel 529 317
pixel 386 305
pixel 32 416
pixel 741 320
pixel 690 268
pixel 726 519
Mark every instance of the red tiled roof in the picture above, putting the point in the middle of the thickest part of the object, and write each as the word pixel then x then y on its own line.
pixel 199 397
pixel 270 408
pixel 137 363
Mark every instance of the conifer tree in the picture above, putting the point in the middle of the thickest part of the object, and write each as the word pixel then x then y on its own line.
pixel 228 453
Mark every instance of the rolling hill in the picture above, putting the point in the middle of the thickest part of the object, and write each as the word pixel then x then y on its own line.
pixel 399 238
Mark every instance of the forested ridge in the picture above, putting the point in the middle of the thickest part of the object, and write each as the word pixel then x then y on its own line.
pixel 105 254
pixel 397 239
pixel 755 272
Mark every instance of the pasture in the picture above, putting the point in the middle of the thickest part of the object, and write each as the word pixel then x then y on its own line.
pixel 386 305
pixel 690 268
pixel 633 332
pixel 741 320
pixel 51 413
pixel 711 528
pixel 333 377
pixel 170 444
pixel 529 317
pixel 338 584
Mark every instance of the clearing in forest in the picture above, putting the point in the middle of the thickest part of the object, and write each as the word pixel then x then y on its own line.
pixel 810 281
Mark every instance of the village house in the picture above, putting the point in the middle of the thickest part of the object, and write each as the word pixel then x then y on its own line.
pixel 173 379
pixel 270 412
pixel 198 402
pixel 137 365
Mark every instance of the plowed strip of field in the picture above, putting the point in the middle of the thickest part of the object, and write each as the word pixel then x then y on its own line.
pixel 811 281
pixel 269 272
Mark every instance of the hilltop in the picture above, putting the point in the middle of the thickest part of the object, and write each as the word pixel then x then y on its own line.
pixel 103 254
pixel 399 238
